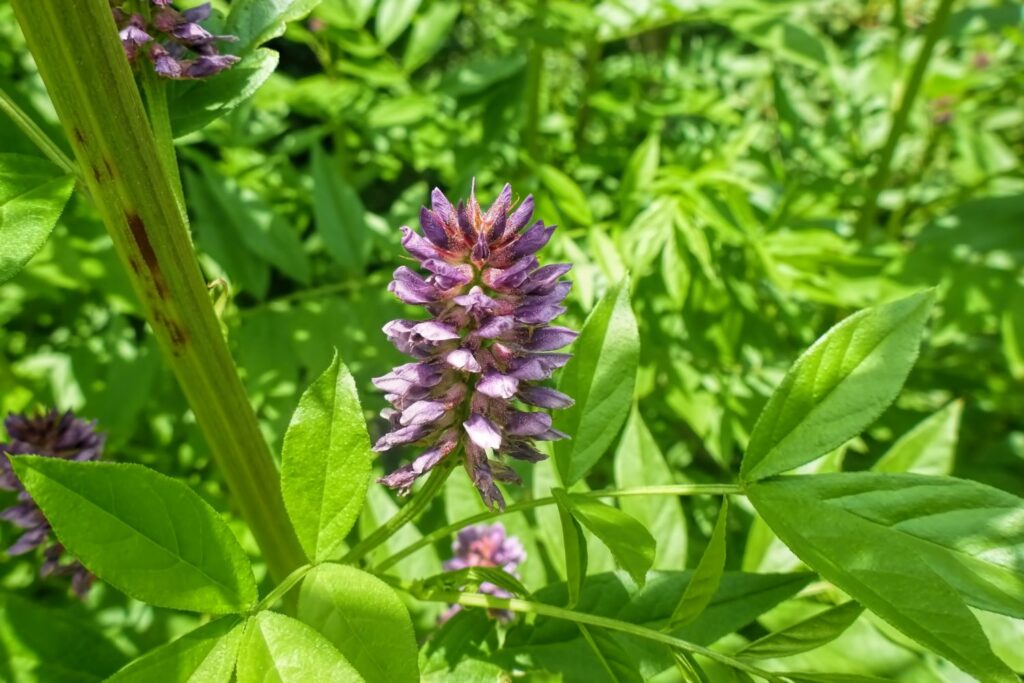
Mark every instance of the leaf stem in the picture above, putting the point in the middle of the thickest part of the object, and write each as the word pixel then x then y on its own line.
pixel 160 121
pixel 899 123
pixel 408 513
pixel 36 134
pixel 528 607
pixel 667 490
pixel 281 589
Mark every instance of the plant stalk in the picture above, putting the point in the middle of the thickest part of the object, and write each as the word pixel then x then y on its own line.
pixel 899 122
pixel 82 63
pixel 36 134
pixel 667 490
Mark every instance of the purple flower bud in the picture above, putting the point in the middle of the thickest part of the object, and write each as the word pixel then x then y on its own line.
pixel 51 435
pixel 208 65
pixel 490 302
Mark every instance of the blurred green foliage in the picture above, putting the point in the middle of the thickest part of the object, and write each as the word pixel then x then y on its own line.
pixel 720 153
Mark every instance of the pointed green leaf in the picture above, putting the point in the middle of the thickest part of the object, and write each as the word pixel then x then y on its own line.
pixel 144 533
pixel 568 196
pixel 928 448
pixel 205 655
pixel 614 658
pixel 707 576
pixel 630 543
pixel 283 650
pixel 255 22
pixel 325 462
pixel 805 635
pixel 902 546
pixel 32 196
pixel 639 462
pixel 838 386
pixel 600 378
pixel 364 619
pixel 339 214
pixel 575 544
pixel 393 17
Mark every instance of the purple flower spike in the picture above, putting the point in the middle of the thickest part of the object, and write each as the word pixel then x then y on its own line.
pixel 51 435
pixel 486 546
pixel 490 304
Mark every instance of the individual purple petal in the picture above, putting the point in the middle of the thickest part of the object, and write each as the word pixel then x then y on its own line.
pixel 404 477
pixel 497 215
pixel 483 432
pixel 411 288
pixel 25 515
pixel 463 359
pixel 423 412
pixel 539 313
pixel 551 435
pixel 543 397
pixel 504 473
pixel 400 437
pixel 435 331
pixel 476 302
pixel 462 217
pixel 512 277
pixel 538 366
pixel 521 450
pixel 532 240
pixel 549 338
pixel 481 250
pixel 209 65
pixel 497 385
pixel 480 474
pixel 30 540
pixel 521 216
pixel 545 276
pixel 447 275
pixel 527 424
pixel 191 33
pixel 495 327
pixel 433 228
pixel 418 247
pixel 197 13
pixel 443 208
pixel 164 64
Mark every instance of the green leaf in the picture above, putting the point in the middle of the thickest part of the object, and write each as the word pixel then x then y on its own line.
pixel 325 462
pixel 639 462
pixel 459 579
pixel 41 643
pixel 575 544
pixel 630 543
pixel 430 31
pixel 902 546
pixel 805 635
pixel 32 196
pixel 261 230
pixel 393 17
pixel 707 575
pixel 600 378
pixel 364 618
pixel 614 658
pixel 281 649
pixel 928 448
pixel 257 21
pixel 206 654
pixel 142 532
pixel 838 386
pixel 566 193
pixel 640 171
pixel 194 104
pixel 338 213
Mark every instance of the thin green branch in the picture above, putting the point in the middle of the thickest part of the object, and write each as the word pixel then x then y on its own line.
pixel 407 514
pixel 899 123
pixel 527 607
pixel 282 589
pixel 36 134
pixel 668 490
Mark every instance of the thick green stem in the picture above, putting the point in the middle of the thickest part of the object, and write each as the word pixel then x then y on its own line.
pixel 407 514
pixel 534 91
pixel 82 63
pixel 527 607
pixel 899 122
pixel 669 490
pixel 36 134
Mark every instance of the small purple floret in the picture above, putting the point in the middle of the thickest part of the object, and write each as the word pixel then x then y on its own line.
pixel 484 352
pixel 486 546
pixel 51 435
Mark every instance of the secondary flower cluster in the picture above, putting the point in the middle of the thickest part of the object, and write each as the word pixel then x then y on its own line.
pixel 53 435
pixel 486 546
pixel 173 41
pixel 485 349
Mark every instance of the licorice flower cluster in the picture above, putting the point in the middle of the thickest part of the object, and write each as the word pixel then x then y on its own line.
pixel 175 43
pixel 486 546
pixel 485 351
pixel 52 435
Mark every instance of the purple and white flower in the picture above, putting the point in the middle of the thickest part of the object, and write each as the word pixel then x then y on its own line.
pixel 52 435
pixel 486 546
pixel 480 358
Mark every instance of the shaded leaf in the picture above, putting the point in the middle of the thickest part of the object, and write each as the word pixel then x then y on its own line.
pixel 707 575
pixel 805 635
pixel 928 448
pixel 32 196
pixel 339 214
pixel 255 22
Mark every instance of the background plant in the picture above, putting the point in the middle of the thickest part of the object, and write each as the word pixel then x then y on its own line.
pixel 760 170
